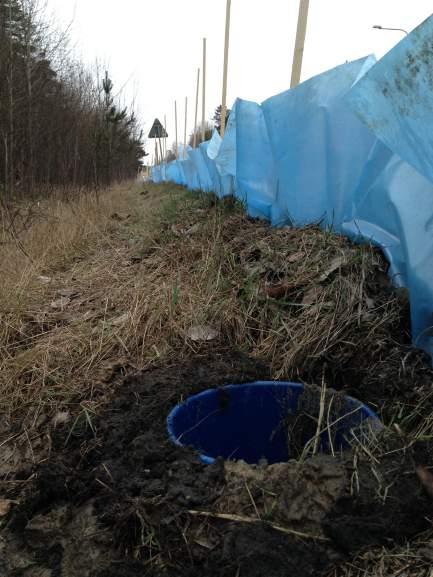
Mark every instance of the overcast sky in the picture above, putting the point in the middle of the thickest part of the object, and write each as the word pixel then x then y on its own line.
pixel 155 45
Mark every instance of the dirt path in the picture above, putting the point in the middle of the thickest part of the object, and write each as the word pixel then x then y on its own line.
pixel 90 486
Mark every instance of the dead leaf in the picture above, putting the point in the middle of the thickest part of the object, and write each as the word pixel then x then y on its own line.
pixel 370 303
pixel 295 257
pixel 45 279
pixel 5 506
pixel 335 265
pixel 60 303
pixel 318 308
pixel 254 269
pixel 68 293
pixel 120 320
pixel 312 295
pixel 205 543
pixel 193 229
pixel 277 291
pixel 202 333
pixel 61 418
pixel 426 479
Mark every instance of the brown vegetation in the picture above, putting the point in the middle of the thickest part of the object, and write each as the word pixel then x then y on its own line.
pixel 113 311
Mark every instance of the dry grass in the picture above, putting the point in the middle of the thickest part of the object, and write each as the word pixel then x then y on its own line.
pixel 116 286
pixel 413 560
pixel 46 345
pixel 306 301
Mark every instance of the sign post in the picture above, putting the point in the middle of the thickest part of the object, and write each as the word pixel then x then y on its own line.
pixel 157 132
pixel 226 61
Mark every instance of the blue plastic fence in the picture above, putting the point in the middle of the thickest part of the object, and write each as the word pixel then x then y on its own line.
pixel 351 149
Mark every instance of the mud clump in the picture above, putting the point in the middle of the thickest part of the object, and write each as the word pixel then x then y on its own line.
pixel 120 500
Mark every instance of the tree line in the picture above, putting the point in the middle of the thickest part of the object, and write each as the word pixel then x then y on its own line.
pixel 61 126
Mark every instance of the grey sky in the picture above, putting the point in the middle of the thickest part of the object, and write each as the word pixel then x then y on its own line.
pixel 156 44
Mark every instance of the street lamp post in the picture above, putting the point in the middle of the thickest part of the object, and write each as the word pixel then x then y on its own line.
pixel 378 27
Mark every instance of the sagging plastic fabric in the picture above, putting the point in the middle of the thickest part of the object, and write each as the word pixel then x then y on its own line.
pixel 351 150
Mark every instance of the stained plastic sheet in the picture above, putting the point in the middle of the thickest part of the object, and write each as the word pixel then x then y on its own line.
pixel 395 99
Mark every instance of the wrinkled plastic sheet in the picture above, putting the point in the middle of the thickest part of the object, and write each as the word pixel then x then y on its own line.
pixel 256 174
pixel 395 99
pixel 350 149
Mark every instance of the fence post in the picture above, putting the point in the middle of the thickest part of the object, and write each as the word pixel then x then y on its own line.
pixel 226 62
pixel 175 122
pixel 300 42
pixel 196 107
pixel 203 117
pixel 186 118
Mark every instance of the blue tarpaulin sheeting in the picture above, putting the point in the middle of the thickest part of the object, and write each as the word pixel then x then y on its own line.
pixel 351 149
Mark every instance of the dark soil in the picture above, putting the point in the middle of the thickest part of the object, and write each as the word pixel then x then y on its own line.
pixel 115 499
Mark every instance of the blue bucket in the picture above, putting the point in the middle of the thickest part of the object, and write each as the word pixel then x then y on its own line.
pixel 246 422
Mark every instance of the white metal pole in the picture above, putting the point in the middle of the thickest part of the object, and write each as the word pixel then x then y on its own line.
pixel 196 107
pixel 226 62
pixel 300 42
pixel 184 134
pixel 203 116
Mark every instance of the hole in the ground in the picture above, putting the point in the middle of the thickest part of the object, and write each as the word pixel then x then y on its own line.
pixel 269 421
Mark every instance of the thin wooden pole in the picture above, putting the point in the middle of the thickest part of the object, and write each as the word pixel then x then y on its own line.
pixel 300 42
pixel 165 138
pixel 160 148
pixel 196 107
pixel 203 115
pixel 175 121
pixel 226 62
pixel 184 134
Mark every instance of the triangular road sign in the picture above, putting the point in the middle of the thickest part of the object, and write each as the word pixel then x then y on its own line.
pixel 157 130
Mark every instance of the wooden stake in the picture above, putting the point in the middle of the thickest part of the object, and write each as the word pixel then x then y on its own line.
pixel 203 116
pixel 175 121
pixel 196 107
pixel 160 149
pixel 165 138
pixel 226 62
pixel 186 119
pixel 300 42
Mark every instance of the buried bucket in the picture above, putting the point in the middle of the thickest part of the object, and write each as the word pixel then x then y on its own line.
pixel 268 421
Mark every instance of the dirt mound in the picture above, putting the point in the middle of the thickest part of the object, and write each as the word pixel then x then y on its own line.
pixel 295 495
pixel 120 500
